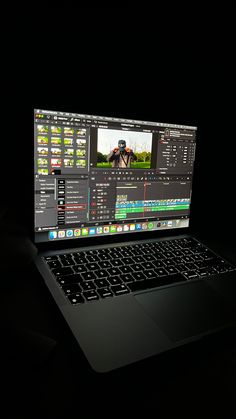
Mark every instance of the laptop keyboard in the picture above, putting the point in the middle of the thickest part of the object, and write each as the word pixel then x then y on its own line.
pixel 108 272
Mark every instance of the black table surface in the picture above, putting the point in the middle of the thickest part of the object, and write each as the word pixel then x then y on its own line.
pixel 45 374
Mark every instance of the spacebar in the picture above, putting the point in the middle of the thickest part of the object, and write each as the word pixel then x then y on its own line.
pixel 155 282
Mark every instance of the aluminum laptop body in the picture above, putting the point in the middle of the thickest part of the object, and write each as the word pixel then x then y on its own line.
pixel 111 214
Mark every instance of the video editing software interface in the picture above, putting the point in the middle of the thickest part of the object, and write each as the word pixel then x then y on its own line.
pixel 97 175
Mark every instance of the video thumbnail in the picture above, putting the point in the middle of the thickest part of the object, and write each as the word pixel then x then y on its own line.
pixel 68 162
pixel 81 163
pixel 68 131
pixel 56 151
pixel 55 141
pixel 42 140
pixel 81 132
pixel 123 149
pixel 69 151
pixel 68 141
pixel 80 143
pixel 42 162
pixel 43 171
pixel 80 152
pixel 43 150
pixel 43 129
pixel 55 129
pixel 56 162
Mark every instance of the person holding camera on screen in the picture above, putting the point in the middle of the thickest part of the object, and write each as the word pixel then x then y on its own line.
pixel 121 156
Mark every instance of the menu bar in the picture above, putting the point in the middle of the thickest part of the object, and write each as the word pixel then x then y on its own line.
pixel 73 117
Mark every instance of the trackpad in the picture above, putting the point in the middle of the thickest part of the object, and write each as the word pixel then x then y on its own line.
pixel 186 310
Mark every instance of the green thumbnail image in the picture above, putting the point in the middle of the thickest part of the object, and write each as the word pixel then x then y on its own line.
pixel 55 140
pixel 80 152
pixel 69 151
pixel 43 171
pixel 56 151
pixel 42 162
pixel 42 150
pixel 68 141
pixel 68 162
pixel 42 140
pixel 68 131
pixel 81 132
pixel 80 142
pixel 80 163
pixel 55 129
pixel 43 129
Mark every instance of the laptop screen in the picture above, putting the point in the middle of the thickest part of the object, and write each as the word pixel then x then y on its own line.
pixel 99 176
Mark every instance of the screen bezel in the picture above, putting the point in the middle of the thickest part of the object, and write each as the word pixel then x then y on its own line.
pixel 111 239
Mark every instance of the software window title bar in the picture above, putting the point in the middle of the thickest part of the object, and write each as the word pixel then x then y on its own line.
pixel 110 119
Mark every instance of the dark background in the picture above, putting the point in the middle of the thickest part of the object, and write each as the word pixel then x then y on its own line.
pixel 170 67
pixel 137 65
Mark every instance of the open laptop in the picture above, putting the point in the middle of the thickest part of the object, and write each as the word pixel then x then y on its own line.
pixel 111 213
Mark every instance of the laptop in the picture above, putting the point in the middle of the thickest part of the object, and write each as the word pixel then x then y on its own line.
pixel 111 223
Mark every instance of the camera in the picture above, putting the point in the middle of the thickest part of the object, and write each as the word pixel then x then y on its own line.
pixel 121 145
